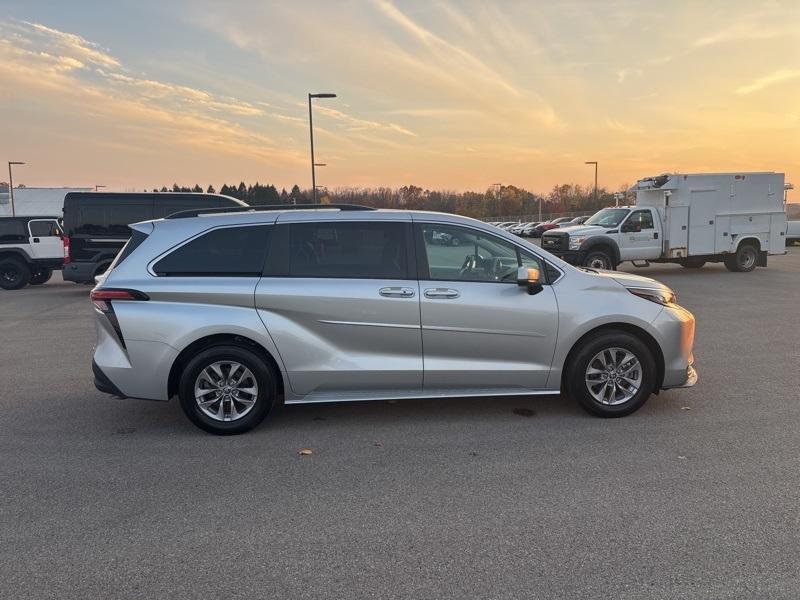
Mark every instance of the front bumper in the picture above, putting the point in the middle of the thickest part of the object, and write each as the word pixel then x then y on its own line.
pixel 675 326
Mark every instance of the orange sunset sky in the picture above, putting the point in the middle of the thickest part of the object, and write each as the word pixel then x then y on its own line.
pixel 441 94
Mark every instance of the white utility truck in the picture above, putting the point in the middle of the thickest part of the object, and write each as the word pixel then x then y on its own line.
pixel 689 219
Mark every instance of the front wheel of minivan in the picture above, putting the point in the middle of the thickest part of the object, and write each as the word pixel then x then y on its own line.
pixel 227 389
pixel 611 375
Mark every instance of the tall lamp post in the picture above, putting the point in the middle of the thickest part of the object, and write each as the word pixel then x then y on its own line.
pixel 311 135
pixel 11 184
pixel 594 162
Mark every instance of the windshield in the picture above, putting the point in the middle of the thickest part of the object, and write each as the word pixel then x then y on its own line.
pixel 608 217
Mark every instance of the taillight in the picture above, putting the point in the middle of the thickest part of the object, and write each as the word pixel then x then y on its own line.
pixel 67 258
pixel 103 298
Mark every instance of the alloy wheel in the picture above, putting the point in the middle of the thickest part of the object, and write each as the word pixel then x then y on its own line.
pixel 226 391
pixel 614 376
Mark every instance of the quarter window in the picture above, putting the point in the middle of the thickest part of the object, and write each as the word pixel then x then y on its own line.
pixel 225 252
pixel 460 254
pixel 368 250
pixel 12 230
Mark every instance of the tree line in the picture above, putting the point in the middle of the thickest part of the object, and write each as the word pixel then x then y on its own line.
pixel 496 201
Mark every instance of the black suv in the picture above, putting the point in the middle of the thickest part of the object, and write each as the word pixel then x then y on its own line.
pixel 30 250
pixel 96 224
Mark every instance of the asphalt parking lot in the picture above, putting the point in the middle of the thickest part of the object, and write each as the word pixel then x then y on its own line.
pixel 695 496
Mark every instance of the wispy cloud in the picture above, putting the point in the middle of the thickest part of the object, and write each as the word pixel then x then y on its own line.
pixel 774 78
pixel 77 46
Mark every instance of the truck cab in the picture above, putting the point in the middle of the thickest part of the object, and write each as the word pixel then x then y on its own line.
pixel 608 237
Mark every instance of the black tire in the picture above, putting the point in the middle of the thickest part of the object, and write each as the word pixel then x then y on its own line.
pixel 14 273
pixel 40 277
pixel 455 241
pixel 692 263
pixel 744 260
pixel 594 258
pixel 262 374
pixel 575 376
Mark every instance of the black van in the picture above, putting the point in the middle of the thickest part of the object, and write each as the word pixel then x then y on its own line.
pixel 96 224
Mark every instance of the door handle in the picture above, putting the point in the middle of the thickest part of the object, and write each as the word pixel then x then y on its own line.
pixel 441 293
pixel 397 292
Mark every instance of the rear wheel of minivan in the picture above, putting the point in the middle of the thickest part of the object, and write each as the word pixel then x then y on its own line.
pixel 611 375
pixel 227 389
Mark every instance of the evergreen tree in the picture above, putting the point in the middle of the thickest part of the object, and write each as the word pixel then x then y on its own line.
pixel 197 189
pixel 210 189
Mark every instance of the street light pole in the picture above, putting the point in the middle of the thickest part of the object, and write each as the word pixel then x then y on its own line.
pixel 311 136
pixel 11 184
pixel 594 162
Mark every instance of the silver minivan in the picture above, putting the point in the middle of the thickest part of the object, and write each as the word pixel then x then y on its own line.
pixel 237 310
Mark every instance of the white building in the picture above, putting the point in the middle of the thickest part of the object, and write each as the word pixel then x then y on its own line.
pixel 45 202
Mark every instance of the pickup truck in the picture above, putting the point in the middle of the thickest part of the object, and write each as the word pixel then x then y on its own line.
pixel 736 218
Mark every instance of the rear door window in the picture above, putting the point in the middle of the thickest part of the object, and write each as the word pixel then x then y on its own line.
pixel 354 250
pixel 44 228
pixel 224 252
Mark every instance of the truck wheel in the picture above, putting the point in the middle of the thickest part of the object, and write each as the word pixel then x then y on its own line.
pixel 598 259
pixel 612 374
pixel 455 241
pixel 40 277
pixel 692 263
pixel 744 260
pixel 14 274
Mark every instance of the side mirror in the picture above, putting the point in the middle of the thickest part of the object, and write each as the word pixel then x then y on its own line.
pixel 530 278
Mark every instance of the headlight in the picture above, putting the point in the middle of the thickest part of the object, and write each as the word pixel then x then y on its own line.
pixel 665 297
pixel 575 242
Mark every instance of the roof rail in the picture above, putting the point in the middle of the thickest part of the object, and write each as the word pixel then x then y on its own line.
pixel 186 214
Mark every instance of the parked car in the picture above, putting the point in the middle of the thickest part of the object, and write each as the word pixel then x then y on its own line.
pixel 527 231
pixel 548 225
pixel 792 232
pixel 517 228
pixel 96 224
pixel 30 250
pixel 237 311
pixel 575 221
pixel 444 238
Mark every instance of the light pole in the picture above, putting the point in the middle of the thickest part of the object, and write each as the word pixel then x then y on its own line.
pixel 311 135
pixel 11 184
pixel 594 162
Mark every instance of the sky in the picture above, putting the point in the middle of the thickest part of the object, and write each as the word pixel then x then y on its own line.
pixel 452 95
